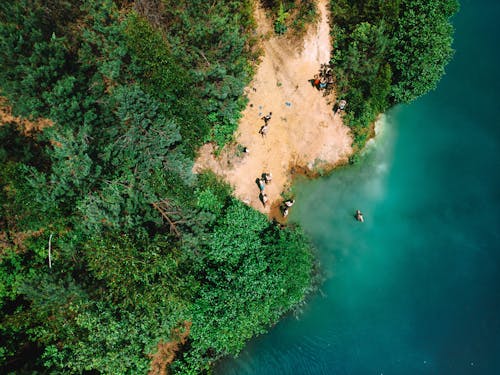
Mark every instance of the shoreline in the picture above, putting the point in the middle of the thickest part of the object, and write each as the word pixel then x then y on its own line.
pixel 304 135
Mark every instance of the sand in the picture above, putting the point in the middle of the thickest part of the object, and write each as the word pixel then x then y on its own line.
pixel 24 125
pixel 303 132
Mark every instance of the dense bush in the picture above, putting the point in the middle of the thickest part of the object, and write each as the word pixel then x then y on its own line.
pixel 292 14
pixel 387 52
pixel 139 245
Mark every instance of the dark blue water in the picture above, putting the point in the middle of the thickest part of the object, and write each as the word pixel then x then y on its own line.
pixel 416 288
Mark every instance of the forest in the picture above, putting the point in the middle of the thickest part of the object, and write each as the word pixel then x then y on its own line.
pixel 114 257
pixel 387 52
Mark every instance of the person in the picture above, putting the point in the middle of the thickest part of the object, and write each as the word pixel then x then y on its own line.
pixel 341 106
pixel 264 199
pixel 322 84
pixel 266 118
pixel 268 177
pixel 285 212
pixel 359 216
pixel 246 150
pixel 263 130
pixel 289 203
pixel 262 184
pixel 316 81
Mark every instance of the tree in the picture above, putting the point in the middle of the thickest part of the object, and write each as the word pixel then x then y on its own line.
pixel 387 52
pixel 423 47
pixel 251 272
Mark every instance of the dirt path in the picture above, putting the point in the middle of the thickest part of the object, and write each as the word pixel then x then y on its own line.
pixel 303 131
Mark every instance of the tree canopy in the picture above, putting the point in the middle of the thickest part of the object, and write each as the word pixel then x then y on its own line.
pixel 140 247
pixel 388 52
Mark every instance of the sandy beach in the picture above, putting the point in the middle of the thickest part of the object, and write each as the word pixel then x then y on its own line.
pixel 303 132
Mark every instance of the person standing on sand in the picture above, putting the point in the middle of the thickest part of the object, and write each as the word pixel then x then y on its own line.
pixel 262 184
pixel 266 118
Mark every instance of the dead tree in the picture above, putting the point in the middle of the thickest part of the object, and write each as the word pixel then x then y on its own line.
pixel 167 211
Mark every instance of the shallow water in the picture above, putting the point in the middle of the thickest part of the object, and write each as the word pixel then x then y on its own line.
pixel 416 288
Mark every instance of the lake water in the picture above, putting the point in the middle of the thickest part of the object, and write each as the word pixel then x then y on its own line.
pixel 416 288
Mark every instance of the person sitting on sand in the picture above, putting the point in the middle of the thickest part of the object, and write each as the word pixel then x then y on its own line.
pixel 289 203
pixel 268 177
pixel 316 81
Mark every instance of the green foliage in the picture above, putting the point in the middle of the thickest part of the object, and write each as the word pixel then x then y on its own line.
pixel 139 244
pixel 251 272
pixel 110 340
pixel 422 47
pixel 204 53
pixel 19 148
pixel 387 52
pixel 28 199
pixel 280 21
pixel 10 276
pixel 128 268
pixel 212 195
pixel 306 14
pixel 207 200
pixel 291 14
pixel 33 58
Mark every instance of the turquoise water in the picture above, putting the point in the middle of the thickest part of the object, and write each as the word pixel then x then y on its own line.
pixel 416 288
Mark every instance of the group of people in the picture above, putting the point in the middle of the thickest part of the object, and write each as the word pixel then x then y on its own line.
pixel 265 179
pixel 323 80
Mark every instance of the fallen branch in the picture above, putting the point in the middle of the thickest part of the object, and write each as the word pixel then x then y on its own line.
pixel 162 207
pixel 50 260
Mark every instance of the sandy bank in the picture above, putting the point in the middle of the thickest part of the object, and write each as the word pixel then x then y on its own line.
pixel 303 131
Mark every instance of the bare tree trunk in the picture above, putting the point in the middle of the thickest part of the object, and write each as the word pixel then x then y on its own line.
pixel 50 259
